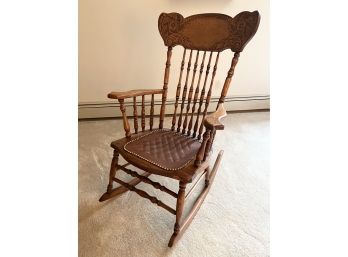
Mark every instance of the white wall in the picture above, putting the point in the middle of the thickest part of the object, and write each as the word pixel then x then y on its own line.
pixel 120 47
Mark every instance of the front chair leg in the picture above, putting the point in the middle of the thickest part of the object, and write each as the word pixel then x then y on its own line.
pixel 179 210
pixel 113 169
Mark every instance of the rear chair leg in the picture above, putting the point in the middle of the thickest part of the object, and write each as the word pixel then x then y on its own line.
pixel 179 210
pixel 113 169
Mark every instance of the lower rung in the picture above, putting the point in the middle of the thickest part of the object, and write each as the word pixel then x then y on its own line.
pixel 145 195
pixel 148 181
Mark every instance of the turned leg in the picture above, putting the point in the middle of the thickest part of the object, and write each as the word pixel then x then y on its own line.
pixel 179 210
pixel 181 225
pixel 114 163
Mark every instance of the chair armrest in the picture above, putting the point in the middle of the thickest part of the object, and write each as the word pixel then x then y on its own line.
pixel 133 93
pixel 212 121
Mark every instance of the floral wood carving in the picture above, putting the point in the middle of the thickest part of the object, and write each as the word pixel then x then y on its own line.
pixel 209 31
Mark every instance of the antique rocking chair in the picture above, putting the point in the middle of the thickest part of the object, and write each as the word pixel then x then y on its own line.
pixel 181 152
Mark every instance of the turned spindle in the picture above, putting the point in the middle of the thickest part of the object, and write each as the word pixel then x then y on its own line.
pixel 165 86
pixel 135 115
pixel 143 113
pixel 189 98
pixel 184 92
pixel 207 100
pixel 152 109
pixel 195 98
pixel 178 89
pixel 201 99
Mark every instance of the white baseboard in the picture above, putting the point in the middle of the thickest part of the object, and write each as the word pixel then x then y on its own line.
pixel 108 109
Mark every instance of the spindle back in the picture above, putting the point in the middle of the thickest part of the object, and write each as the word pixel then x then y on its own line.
pixel 205 35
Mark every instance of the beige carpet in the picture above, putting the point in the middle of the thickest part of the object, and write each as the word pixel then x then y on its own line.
pixel 233 220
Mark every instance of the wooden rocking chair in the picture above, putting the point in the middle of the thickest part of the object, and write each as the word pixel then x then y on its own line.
pixel 181 152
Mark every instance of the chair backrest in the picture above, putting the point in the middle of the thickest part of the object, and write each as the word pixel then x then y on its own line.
pixel 201 34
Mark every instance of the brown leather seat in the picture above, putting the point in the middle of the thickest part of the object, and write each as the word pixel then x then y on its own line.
pixel 164 151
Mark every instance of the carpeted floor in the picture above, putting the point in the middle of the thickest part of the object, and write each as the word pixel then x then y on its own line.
pixel 233 220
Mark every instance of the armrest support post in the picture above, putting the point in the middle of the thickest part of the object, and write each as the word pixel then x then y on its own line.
pixel 211 123
pixel 124 117
pixel 209 144
pixel 201 151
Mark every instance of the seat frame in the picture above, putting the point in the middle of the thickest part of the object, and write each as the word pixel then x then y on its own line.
pixel 193 33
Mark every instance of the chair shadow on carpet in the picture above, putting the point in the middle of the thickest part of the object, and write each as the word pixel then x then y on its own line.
pixel 85 213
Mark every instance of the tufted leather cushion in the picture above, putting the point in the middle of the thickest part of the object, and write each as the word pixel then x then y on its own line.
pixel 164 148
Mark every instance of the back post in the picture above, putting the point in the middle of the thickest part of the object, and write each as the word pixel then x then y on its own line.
pixel 165 86
pixel 228 78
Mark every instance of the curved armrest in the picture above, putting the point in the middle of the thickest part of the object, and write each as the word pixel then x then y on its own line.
pixel 133 93
pixel 212 121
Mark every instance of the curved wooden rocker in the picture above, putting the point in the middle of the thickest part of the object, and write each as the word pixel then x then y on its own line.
pixel 181 152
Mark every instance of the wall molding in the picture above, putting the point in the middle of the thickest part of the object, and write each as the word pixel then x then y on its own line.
pixel 105 109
